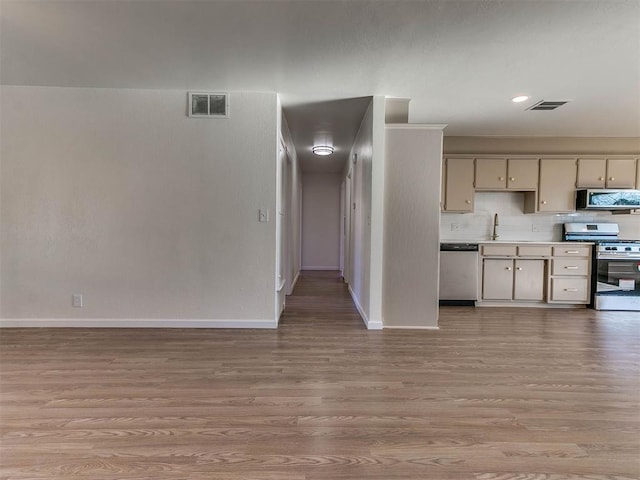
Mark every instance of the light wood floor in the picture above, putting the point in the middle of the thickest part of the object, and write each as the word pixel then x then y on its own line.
pixel 495 394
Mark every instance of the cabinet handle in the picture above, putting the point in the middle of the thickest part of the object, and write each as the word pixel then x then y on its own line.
pixel 571 267
pixel 543 202
pixel 508 268
pixel 611 179
pixel 572 252
pixel 570 289
pixel 513 179
pixel 518 268
pixel 467 201
pixel 601 178
pixel 501 178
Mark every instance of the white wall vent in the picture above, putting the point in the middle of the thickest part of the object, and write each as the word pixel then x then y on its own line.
pixel 208 104
pixel 547 105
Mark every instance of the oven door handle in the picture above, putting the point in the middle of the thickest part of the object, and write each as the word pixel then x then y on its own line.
pixel 613 256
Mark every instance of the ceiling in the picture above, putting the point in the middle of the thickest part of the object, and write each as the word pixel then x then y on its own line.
pixel 460 62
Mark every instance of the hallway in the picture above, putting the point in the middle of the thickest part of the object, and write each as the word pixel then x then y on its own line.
pixel 495 394
pixel 321 297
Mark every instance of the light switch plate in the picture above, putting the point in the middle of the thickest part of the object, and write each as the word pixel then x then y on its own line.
pixel 76 300
pixel 263 215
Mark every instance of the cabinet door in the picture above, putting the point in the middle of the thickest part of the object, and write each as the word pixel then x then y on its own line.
pixel 529 280
pixel 638 174
pixel 497 279
pixel 592 172
pixel 458 192
pixel 522 174
pixel 621 172
pixel 557 188
pixel 491 173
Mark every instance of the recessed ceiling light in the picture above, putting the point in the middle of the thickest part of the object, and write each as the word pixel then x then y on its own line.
pixel 520 98
pixel 322 150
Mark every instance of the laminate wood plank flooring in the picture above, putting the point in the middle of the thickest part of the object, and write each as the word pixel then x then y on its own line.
pixel 495 394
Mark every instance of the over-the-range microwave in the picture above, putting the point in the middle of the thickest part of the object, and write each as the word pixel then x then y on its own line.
pixel 607 199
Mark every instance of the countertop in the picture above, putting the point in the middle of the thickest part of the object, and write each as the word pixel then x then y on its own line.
pixel 531 242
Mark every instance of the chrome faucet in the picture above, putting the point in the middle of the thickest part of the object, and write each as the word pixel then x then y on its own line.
pixel 495 235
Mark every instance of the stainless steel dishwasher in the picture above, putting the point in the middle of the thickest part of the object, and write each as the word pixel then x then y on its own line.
pixel 458 273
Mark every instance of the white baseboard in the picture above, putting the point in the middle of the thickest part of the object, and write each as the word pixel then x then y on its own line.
pixel 369 324
pixel 135 323
pixel 293 284
pixel 321 268
pixel 408 327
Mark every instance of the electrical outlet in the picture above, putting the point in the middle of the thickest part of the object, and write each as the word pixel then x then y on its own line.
pixel 455 227
pixel 76 300
pixel 263 215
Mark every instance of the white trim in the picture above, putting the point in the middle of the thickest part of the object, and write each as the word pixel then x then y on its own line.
pixel 136 323
pixel 337 268
pixel 295 281
pixel 371 325
pixel 416 126
pixel 408 327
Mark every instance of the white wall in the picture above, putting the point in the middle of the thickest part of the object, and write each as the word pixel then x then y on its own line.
pixel 116 194
pixel 293 210
pixel 412 210
pixel 321 221
pixel 359 177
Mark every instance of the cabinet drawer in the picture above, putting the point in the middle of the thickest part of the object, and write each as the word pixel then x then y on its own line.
pixel 569 251
pixel 534 251
pixel 499 250
pixel 575 290
pixel 569 266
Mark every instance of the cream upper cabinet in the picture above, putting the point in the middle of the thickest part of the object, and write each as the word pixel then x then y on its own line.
pixel 509 174
pixel 522 174
pixel 621 172
pixel 638 174
pixel 592 172
pixel 557 187
pixel 601 172
pixel 458 185
pixel 491 173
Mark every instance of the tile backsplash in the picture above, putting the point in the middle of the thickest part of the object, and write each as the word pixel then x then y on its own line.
pixel 516 225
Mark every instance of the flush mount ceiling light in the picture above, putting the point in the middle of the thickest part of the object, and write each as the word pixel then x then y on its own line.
pixel 322 150
pixel 520 98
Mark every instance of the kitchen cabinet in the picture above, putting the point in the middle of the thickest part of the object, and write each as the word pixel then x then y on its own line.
pixel 491 174
pixel 497 279
pixel 601 172
pixel 508 279
pixel 529 280
pixel 458 185
pixel 570 274
pixel 506 174
pixel 620 172
pixel 638 174
pixel 534 273
pixel 556 188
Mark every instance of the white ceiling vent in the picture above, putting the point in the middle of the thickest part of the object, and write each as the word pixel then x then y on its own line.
pixel 208 104
pixel 547 105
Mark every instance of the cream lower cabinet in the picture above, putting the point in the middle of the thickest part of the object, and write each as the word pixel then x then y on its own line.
pixel 508 279
pixel 570 274
pixel 497 279
pixel 534 274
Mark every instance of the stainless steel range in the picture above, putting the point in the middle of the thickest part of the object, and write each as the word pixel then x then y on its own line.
pixel 615 283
